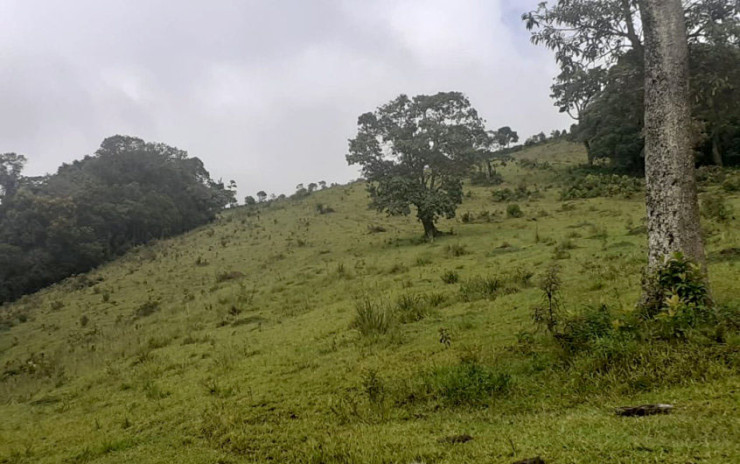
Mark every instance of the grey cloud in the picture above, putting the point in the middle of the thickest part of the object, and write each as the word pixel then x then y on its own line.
pixel 265 92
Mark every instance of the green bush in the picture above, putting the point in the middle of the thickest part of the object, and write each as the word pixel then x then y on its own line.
pixel 514 211
pixel 521 192
pixel 411 308
pixel 714 206
pixel 467 383
pixel 147 308
pixel 482 178
pixel 479 288
pixel 577 332
pixel 455 250
pixel 450 277
pixel 732 184
pixel 601 185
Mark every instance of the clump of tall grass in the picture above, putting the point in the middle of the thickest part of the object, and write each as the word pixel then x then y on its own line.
pixel 479 288
pixel 372 317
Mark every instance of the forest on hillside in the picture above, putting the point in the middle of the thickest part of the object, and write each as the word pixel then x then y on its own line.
pixel 128 193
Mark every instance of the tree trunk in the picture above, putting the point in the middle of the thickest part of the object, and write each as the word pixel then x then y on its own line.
pixel 430 231
pixel 716 153
pixel 588 152
pixel 671 197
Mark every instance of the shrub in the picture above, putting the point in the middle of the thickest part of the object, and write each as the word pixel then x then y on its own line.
pixel 375 229
pixel 710 174
pixel 324 209
pixel 450 277
pixel 732 184
pixel 147 308
pixel 579 331
pixel 482 178
pixel 601 185
pixel 411 308
pixel 534 164
pixel 561 249
pixel 435 299
pixel 514 211
pixel 521 276
pixel 479 288
pixel 455 250
pixel 372 317
pixel 467 383
pixel 714 206
pixel 676 296
pixel 228 275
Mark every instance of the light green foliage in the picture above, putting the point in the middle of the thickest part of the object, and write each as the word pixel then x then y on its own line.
pixel 251 354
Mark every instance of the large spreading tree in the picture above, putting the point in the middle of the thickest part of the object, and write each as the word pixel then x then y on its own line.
pixel 416 151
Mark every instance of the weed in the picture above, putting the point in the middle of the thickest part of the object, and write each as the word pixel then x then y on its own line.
pixel 479 288
pixel 147 308
pixel 444 337
pixel 411 308
pixel 468 383
pixel 548 313
pixel 324 209
pixel 714 206
pixel 375 229
pixel 373 386
pixel 228 275
pixel 455 250
pixel 450 277
pixel 372 317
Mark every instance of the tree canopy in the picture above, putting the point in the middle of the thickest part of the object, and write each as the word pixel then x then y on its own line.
pixel 416 151
pixel 127 193
pixel 599 47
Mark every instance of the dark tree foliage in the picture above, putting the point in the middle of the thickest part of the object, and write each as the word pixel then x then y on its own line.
pixel 416 151
pixel 11 166
pixel 598 45
pixel 96 208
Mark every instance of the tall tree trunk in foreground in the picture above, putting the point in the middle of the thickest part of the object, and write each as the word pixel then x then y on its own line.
pixel 672 202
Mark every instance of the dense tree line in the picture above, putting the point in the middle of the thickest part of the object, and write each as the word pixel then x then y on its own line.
pixel 599 46
pixel 127 193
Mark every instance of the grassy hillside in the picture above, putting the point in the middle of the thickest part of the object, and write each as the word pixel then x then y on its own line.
pixel 238 342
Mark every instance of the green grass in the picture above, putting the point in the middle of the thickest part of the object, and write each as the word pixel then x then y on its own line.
pixel 238 342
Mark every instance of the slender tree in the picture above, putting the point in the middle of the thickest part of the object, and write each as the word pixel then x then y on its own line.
pixel 671 197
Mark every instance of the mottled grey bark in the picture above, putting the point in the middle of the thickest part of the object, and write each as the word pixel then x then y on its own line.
pixel 672 203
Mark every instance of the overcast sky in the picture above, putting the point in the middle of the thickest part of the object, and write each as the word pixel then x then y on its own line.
pixel 265 92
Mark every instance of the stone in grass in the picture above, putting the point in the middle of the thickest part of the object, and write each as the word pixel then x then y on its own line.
pixel 644 410
pixel 537 460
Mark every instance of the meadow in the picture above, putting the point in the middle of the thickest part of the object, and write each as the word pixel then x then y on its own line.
pixel 317 330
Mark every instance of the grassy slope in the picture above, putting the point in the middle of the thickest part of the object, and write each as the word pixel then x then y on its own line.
pixel 265 366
